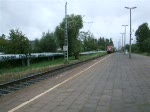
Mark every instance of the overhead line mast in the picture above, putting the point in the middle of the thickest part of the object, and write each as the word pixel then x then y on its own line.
pixel 66 35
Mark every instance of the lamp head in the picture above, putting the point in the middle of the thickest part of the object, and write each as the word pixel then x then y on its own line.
pixel 134 7
pixel 130 8
pixel 127 7
pixel 124 25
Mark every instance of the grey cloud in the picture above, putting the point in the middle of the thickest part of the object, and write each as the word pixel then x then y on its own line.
pixel 33 17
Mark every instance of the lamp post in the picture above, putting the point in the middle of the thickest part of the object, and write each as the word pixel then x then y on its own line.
pixel 124 37
pixel 122 42
pixel 130 29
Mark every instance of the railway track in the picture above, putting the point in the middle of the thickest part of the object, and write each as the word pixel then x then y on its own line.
pixel 15 85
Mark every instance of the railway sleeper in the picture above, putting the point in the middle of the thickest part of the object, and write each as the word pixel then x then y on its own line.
pixel 4 91
pixel 18 86
pixel 24 84
pixel 31 82
pixel 2 94
pixel 12 88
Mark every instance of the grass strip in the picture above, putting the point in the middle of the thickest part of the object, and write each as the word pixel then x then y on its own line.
pixel 144 54
pixel 20 72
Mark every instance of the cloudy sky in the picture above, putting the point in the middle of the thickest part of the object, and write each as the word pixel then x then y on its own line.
pixel 33 17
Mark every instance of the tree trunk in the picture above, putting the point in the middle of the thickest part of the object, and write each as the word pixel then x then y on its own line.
pixel 77 56
pixel 23 62
pixel 28 61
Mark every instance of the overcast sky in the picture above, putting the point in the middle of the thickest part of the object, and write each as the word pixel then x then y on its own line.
pixel 33 17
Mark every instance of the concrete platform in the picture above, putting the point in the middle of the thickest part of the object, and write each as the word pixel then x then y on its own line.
pixel 112 84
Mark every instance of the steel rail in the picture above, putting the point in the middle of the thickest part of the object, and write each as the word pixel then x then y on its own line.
pixel 14 85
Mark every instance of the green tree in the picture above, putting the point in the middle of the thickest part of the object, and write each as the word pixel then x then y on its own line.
pixel 111 42
pixel 75 23
pixel 60 36
pixel 77 48
pixel 48 42
pixel 18 43
pixel 147 45
pixel 89 42
pixel 36 46
pixel 101 43
pixel 107 42
pixel 3 43
pixel 142 34
pixel 134 48
pixel 127 47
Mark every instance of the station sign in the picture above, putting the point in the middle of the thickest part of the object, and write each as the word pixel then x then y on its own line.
pixel 65 48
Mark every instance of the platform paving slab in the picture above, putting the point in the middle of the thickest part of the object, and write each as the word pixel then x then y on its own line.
pixel 116 84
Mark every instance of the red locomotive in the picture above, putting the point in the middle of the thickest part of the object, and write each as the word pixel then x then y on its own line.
pixel 110 49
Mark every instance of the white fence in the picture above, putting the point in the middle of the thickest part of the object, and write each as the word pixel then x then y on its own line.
pixel 5 57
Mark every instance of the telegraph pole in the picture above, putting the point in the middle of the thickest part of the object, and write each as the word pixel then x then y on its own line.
pixel 65 47
pixel 122 42
pixel 124 38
